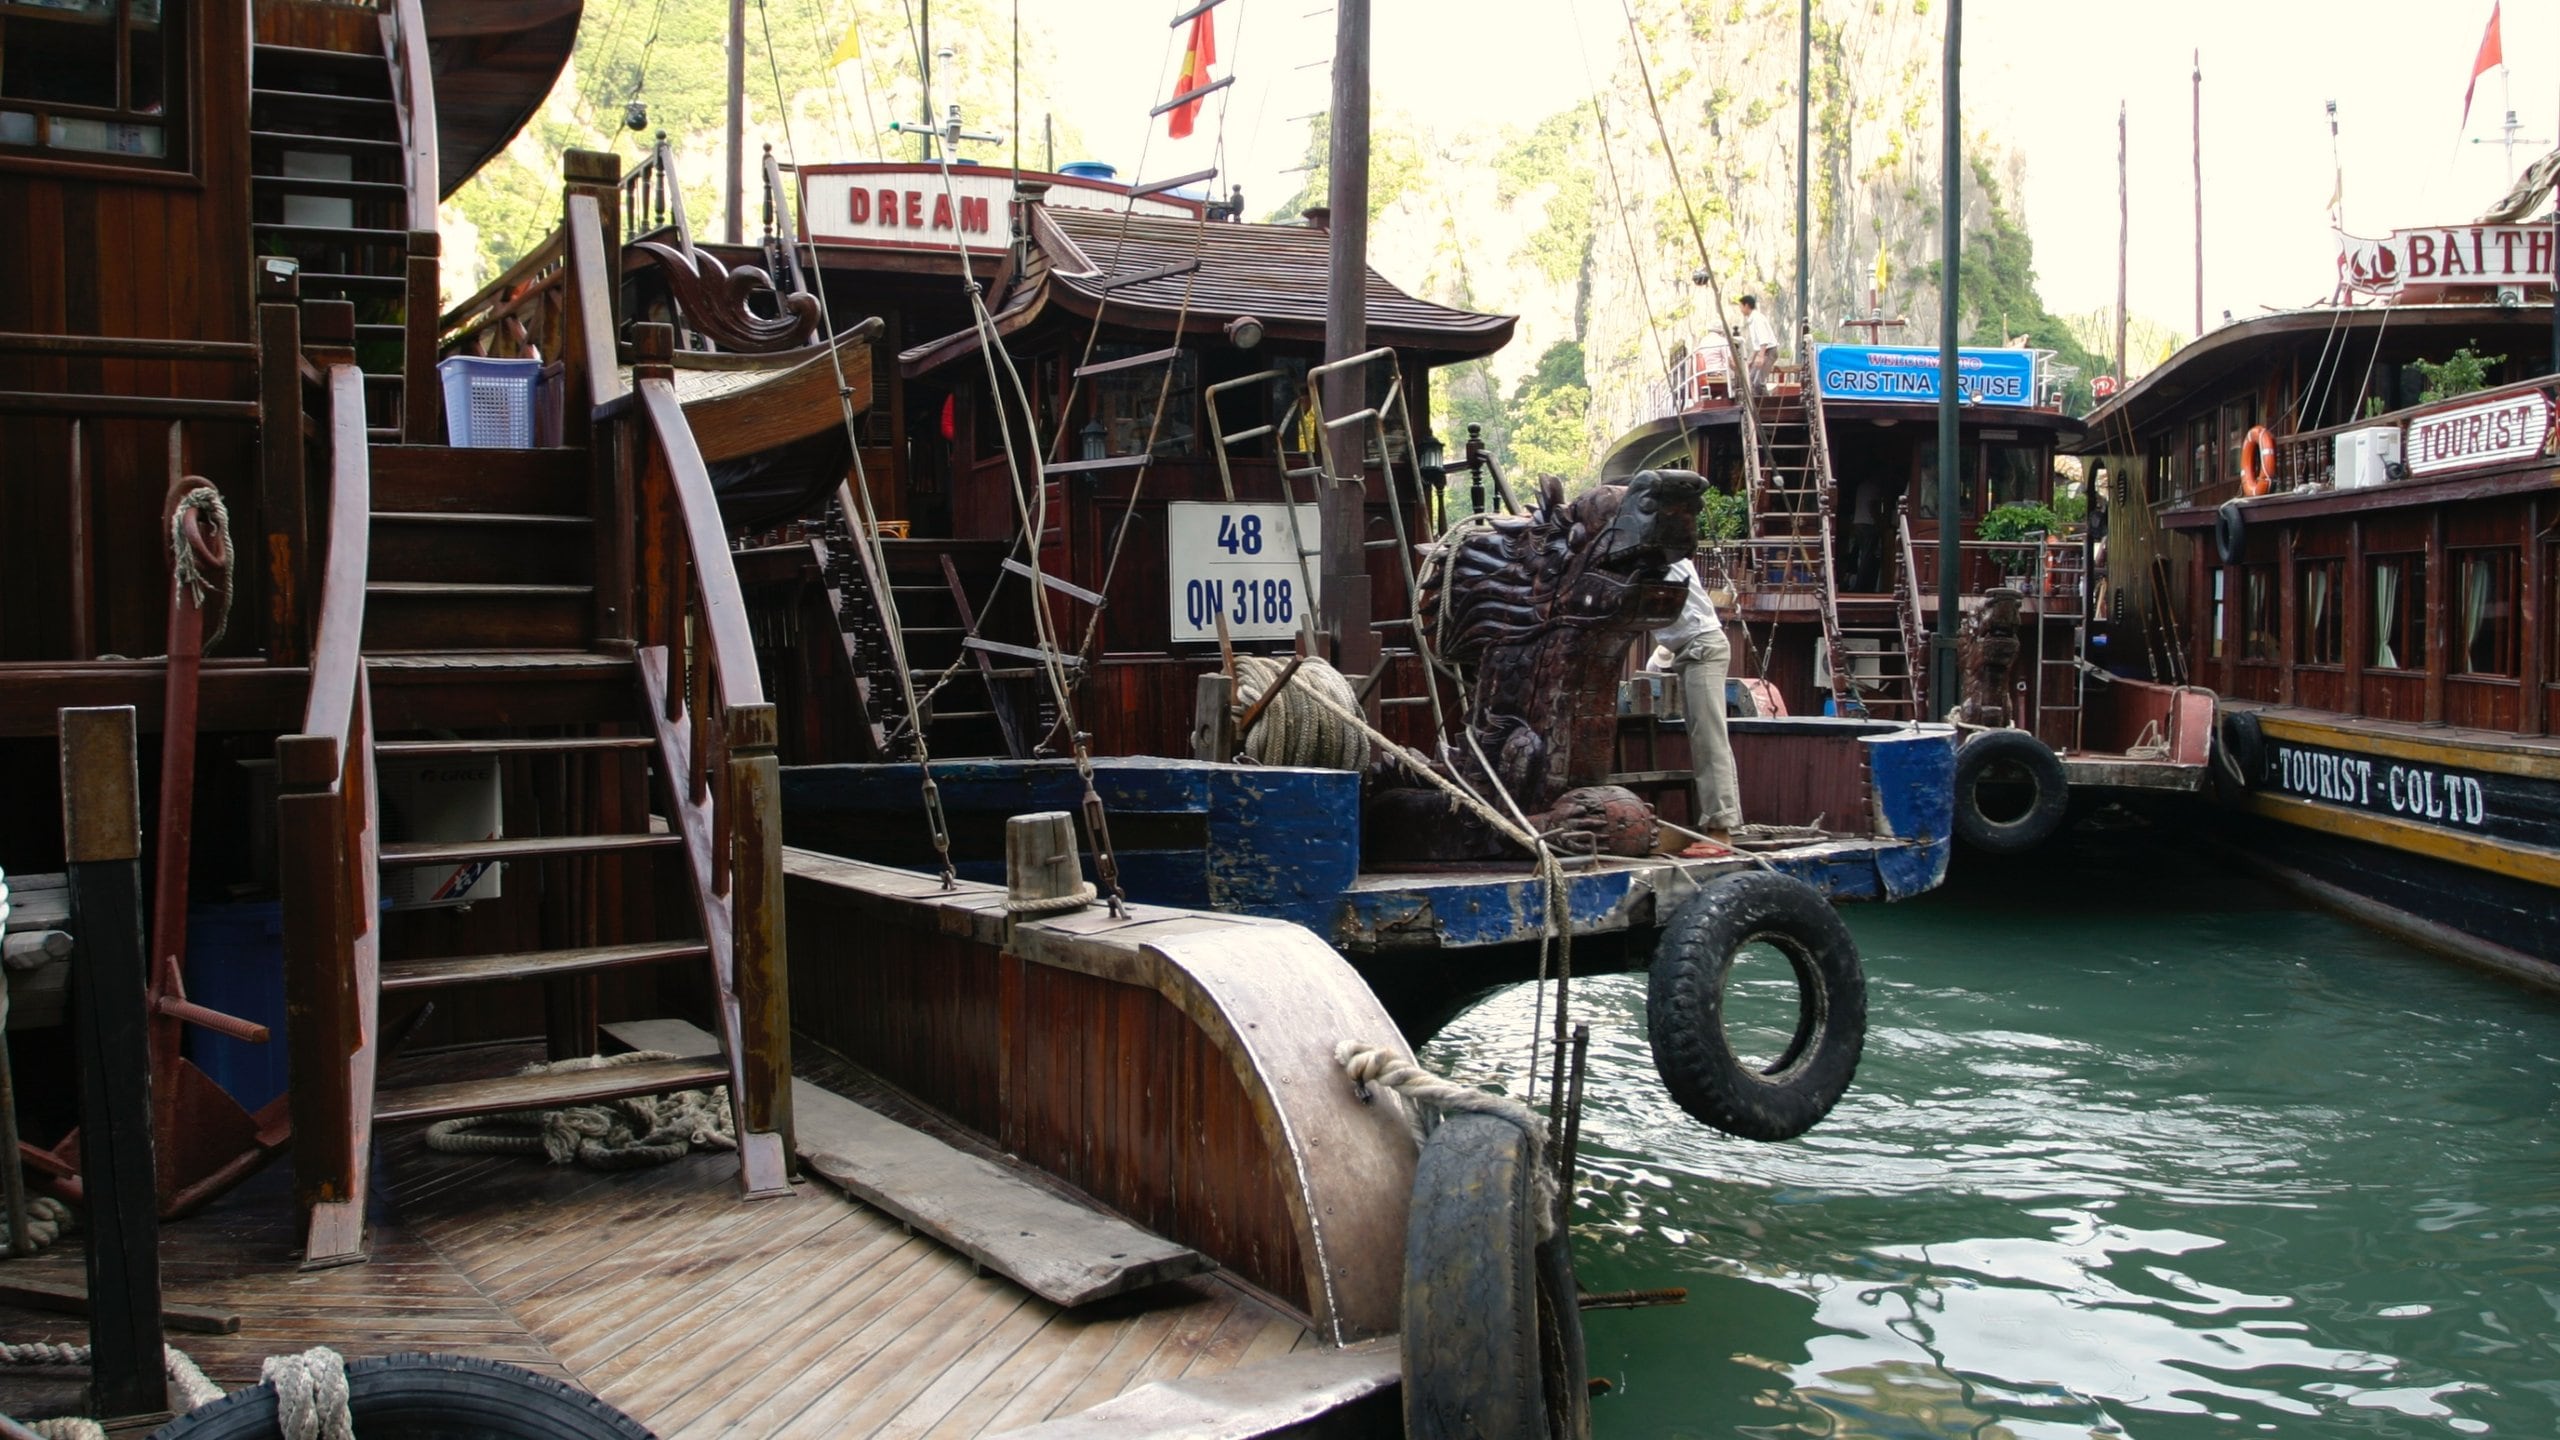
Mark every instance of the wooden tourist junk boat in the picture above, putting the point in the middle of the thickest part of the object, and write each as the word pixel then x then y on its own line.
pixel 469 803
pixel 2367 574
pixel 1835 577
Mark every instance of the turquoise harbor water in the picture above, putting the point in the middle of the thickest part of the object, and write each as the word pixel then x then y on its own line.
pixel 2189 1161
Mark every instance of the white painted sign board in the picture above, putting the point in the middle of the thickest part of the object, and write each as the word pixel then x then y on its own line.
pixel 1236 560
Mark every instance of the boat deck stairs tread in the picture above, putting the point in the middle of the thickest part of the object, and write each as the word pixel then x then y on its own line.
pixel 549 1091
pixel 1065 1253
pixel 421 974
pixel 1277 1397
pixel 510 745
pixel 518 847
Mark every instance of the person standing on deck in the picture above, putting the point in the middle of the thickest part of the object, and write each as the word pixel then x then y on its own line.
pixel 1759 344
pixel 1701 656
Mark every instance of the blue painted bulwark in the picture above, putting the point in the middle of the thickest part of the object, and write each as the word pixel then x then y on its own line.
pixel 1254 840
pixel 1912 776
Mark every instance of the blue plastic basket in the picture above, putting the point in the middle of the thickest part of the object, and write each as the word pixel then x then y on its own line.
pixel 488 404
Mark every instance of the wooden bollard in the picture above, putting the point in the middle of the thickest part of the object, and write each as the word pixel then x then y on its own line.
pixel 1042 875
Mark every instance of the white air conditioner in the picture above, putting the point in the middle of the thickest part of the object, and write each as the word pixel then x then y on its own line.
pixel 2365 457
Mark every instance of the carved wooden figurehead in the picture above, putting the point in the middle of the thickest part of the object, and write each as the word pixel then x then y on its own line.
pixel 1990 654
pixel 1540 609
pixel 717 302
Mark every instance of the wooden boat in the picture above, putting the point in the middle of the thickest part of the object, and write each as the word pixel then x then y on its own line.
pixel 2377 615
pixel 1835 580
pixel 1198 1224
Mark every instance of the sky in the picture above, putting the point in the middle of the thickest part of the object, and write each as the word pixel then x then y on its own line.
pixel 2046 75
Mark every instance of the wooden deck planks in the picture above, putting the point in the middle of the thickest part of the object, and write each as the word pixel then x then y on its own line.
pixel 696 1312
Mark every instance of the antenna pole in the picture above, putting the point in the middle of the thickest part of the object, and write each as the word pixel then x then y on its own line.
pixel 924 78
pixel 1804 172
pixel 1017 89
pixel 1943 682
pixel 2124 239
pixel 734 230
pixel 1346 333
pixel 2199 158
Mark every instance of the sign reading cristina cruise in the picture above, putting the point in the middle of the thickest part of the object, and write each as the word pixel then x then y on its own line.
pixel 1910 372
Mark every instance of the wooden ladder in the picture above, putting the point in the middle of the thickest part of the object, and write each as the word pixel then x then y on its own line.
pixel 566 625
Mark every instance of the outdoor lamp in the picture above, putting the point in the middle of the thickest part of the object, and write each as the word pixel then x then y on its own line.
pixel 1091 437
pixel 1245 331
pixel 1430 453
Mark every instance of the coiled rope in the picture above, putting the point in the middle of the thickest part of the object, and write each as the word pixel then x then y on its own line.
pixel 1428 1097
pixel 627 1134
pixel 189 1389
pixel 194 572
pixel 1073 900
pixel 47 1218
pixel 1296 728
pixel 311 1394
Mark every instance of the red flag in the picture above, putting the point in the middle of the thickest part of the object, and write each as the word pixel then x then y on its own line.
pixel 2492 55
pixel 1197 56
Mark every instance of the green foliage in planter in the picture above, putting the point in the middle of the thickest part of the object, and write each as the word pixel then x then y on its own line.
pixel 2460 373
pixel 1723 517
pixel 2014 523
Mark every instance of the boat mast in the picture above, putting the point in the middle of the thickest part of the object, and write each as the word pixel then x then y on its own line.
pixel 733 230
pixel 2124 239
pixel 1804 171
pixel 1942 678
pixel 2198 133
pixel 1346 333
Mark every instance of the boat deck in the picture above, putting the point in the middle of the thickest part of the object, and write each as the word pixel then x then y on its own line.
pixel 665 1294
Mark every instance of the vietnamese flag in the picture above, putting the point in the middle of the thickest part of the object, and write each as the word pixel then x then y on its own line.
pixel 2492 55
pixel 1198 55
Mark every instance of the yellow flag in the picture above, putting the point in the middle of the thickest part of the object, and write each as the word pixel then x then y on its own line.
pixel 1884 269
pixel 851 49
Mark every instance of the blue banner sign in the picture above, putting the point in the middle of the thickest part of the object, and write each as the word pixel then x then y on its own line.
pixel 1910 373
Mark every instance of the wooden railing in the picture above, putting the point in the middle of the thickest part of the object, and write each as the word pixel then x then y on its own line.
pixel 652 199
pixel 664 547
pixel 404 39
pixel 518 314
pixel 327 852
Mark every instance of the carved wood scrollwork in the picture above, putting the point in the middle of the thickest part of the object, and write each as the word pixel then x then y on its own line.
pixel 713 299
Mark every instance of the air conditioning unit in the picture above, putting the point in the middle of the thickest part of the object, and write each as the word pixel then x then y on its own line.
pixel 2367 456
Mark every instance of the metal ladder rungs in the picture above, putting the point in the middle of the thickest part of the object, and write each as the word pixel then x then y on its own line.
pixel 1141 277
pixel 1128 362
pixel 1158 187
pixel 1241 436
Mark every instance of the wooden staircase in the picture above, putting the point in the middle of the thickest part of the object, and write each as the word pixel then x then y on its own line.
pixel 335 188
pixel 570 619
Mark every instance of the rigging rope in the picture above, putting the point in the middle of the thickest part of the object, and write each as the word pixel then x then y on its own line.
pixel 1427 1098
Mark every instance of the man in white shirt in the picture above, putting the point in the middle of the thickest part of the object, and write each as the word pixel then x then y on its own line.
pixel 1759 343
pixel 1701 655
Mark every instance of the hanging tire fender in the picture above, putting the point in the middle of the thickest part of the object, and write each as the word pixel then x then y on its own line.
pixel 1492 1317
pixel 2049 801
pixel 415 1397
pixel 1684 1007
pixel 2230 532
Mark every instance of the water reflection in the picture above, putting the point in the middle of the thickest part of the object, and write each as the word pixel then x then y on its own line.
pixel 2223 1170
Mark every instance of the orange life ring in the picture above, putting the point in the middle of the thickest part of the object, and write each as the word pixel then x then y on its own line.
pixel 2257 462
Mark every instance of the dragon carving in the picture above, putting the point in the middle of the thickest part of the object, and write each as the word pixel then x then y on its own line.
pixel 1537 613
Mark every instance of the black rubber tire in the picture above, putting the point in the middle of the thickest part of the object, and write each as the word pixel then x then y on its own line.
pixel 1492 1323
pixel 1985 752
pixel 2230 532
pixel 428 1397
pixel 1684 1006
pixel 2239 755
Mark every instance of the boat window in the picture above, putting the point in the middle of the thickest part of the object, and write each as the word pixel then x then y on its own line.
pixel 2016 473
pixel 2164 466
pixel 2199 468
pixel 2484 611
pixel 2320 632
pixel 2221 612
pixel 88 80
pixel 2259 622
pixel 1124 403
pixel 1971 484
pixel 2237 416
pixel 2398 595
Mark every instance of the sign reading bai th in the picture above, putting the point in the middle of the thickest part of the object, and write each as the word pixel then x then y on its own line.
pixel 2510 427
pixel 2466 255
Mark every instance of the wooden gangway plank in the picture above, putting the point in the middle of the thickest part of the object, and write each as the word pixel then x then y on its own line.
pixel 1066 1253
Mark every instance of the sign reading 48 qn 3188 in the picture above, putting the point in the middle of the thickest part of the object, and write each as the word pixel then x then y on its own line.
pixel 1238 561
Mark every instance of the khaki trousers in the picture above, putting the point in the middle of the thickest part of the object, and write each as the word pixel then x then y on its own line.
pixel 1703 663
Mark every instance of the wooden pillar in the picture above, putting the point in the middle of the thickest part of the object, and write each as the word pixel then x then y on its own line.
pixel 2356 623
pixel 421 392
pixel 319 989
pixel 102 839
pixel 2289 625
pixel 2533 628
pixel 753 793
pixel 283 493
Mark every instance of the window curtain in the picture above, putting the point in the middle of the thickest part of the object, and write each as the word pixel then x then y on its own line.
pixel 2319 647
pixel 2475 609
pixel 2386 615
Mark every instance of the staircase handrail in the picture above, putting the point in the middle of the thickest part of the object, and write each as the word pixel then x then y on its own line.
pixel 1906 604
pixel 404 38
pixel 326 839
pixel 672 592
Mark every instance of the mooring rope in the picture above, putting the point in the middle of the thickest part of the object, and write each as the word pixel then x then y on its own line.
pixel 1084 894
pixel 47 1218
pixel 190 571
pixel 626 1134
pixel 312 1400
pixel 189 1388
pixel 1293 729
pixel 1429 1097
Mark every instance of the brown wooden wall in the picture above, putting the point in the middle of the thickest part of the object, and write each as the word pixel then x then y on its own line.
pixel 1109 1086
pixel 95 249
